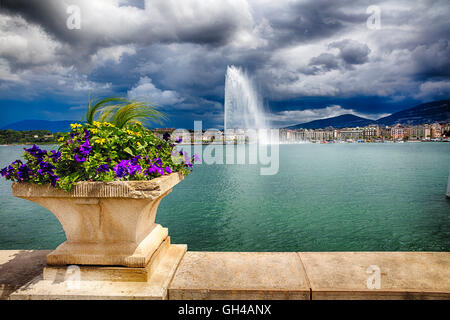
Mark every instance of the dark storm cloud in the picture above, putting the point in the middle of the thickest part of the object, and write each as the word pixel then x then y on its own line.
pixel 352 52
pixel 323 63
pixel 49 14
pixel 307 21
pixel 178 51
pixel 426 37
pixel 133 24
pixel 432 60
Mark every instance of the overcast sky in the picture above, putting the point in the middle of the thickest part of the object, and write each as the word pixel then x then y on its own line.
pixel 310 59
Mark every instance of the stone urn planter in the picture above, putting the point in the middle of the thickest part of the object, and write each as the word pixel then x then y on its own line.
pixel 106 223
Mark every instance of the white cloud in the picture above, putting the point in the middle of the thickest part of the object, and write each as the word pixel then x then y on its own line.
pixel 113 54
pixel 25 44
pixel 434 89
pixel 146 90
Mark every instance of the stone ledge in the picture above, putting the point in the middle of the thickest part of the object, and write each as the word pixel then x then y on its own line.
pixel 253 275
pixel 18 267
pixel 155 288
pixel 403 275
pixel 240 275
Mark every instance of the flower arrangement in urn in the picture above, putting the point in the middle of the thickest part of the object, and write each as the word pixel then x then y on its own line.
pixel 104 183
pixel 101 151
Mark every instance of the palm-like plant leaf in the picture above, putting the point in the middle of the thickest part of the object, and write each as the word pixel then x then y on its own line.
pixel 99 105
pixel 107 112
pixel 136 111
pixel 123 111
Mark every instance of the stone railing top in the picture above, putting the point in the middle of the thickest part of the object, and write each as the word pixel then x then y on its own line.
pixel 143 189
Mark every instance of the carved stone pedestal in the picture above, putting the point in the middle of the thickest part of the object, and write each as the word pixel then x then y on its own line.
pixel 111 236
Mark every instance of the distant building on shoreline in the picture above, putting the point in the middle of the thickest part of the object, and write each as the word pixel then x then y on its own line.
pixel 371 133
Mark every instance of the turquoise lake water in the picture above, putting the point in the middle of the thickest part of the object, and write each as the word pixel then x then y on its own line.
pixel 333 197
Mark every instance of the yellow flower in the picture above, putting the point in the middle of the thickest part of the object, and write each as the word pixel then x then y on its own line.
pixel 107 124
pixel 130 132
pixel 138 143
pixel 100 141
pixel 75 125
pixel 61 139
pixel 138 134
pixel 138 123
pixel 94 131
pixel 97 124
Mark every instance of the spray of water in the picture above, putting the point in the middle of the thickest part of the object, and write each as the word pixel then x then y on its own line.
pixel 243 105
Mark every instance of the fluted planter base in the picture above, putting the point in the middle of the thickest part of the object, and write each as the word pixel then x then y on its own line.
pixel 106 223
pixel 111 236
pixel 110 254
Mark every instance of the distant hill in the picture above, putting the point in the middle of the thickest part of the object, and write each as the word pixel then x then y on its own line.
pixel 345 120
pixel 423 113
pixel 53 126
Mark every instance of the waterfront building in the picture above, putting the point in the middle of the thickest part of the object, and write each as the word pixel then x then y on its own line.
pixel 351 133
pixel 212 135
pixel 371 132
pixel 398 132
pixel 436 131
pixel 419 132
pixel 385 132
pixel 445 129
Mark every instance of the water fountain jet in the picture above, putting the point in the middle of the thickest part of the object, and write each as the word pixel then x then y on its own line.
pixel 243 105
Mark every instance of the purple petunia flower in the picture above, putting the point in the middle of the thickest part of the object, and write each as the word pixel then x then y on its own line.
pixel 125 167
pixel 178 140
pixel 196 158
pixel 8 172
pixel 160 170
pixel 121 169
pixel 4 172
pixel 53 179
pixel 36 152
pixel 82 151
pixel 132 169
pixel 55 155
pixel 85 148
pixel 24 173
pixel 135 159
pixel 46 168
pixel 151 170
pixel 103 168
pixel 168 170
pixel 187 161
pixel 33 150
pixel 79 158
pixel 157 161
pixel 19 162
pixel 155 169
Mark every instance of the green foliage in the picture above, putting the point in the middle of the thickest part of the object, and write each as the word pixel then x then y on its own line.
pixel 100 152
pixel 97 107
pixel 121 111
